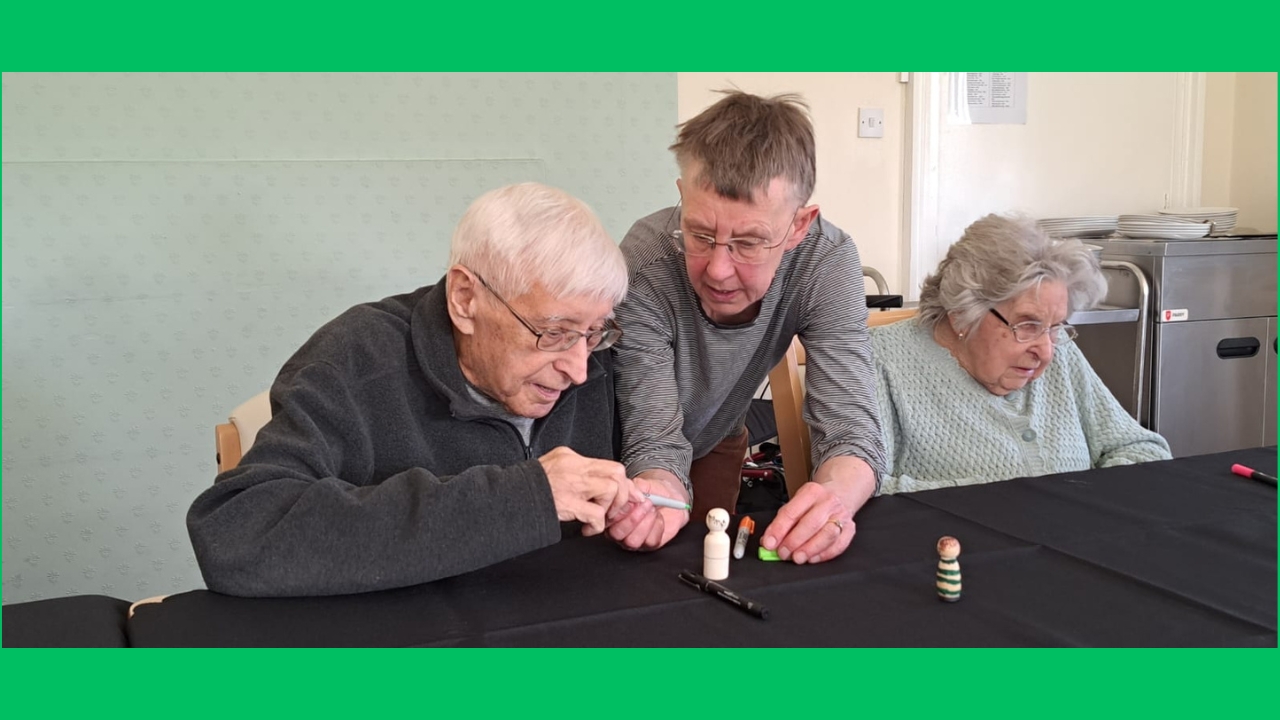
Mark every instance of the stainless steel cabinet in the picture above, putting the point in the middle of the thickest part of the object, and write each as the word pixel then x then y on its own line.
pixel 1209 381
pixel 1213 376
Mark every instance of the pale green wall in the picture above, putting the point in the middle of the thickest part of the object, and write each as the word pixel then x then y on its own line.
pixel 169 240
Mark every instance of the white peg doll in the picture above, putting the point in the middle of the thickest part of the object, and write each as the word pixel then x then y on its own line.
pixel 948 582
pixel 715 548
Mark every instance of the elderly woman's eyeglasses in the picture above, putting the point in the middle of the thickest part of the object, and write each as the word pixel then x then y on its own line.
pixel 1025 332
pixel 561 339
pixel 745 250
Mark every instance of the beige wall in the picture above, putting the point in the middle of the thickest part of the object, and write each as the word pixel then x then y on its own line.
pixel 1240 146
pixel 1219 137
pixel 859 179
pixel 1253 152
pixel 1094 143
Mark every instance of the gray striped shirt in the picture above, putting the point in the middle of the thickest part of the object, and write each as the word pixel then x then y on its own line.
pixel 684 382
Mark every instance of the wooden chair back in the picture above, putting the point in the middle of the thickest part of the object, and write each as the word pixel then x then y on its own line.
pixel 786 383
pixel 233 438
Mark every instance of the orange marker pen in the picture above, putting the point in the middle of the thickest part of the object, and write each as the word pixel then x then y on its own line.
pixel 745 527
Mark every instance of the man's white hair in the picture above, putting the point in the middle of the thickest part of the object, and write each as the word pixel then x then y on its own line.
pixel 530 234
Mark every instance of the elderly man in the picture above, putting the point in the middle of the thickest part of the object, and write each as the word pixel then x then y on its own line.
pixel 720 285
pixel 440 431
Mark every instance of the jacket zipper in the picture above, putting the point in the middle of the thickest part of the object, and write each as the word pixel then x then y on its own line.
pixel 528 449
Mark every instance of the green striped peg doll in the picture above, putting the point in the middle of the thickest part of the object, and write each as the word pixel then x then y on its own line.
pixel 948 569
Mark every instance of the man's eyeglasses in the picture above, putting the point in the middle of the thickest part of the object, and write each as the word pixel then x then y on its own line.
pixel 1025 332
pixel 745 250
pixel 560 339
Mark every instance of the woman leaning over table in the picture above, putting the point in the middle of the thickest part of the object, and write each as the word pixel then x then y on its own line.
pixel 985 383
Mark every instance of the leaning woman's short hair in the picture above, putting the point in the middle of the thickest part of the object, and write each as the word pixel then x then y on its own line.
pixel 521 235
pixel 999 258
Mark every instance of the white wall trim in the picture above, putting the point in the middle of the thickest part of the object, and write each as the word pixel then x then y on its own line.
pixel 1187 168
pixel 920 207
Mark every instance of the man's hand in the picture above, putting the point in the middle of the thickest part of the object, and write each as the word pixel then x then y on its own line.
pixel 812 527
pixel 645 527
pixel 587 489
pixel 817 524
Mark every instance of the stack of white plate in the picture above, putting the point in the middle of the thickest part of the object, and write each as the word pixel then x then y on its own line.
pixel 1161 227
pixel 1223 218
pixel 1083 226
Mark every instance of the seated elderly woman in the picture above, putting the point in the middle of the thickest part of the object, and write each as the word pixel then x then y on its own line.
pixel 985 383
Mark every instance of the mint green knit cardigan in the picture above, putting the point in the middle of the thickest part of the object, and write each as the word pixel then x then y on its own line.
pixel 941 428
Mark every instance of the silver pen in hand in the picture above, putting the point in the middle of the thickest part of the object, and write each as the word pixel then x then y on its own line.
pixel 666 502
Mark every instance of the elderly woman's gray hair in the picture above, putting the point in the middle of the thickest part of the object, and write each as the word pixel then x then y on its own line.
pixel 999 258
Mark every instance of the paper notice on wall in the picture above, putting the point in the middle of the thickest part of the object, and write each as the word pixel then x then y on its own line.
pixel 995 98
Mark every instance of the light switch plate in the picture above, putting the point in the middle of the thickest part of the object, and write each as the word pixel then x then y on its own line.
pixel 871 122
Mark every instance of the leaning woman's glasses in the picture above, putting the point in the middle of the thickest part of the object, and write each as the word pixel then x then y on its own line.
pixel 561 339
pixel 1025 332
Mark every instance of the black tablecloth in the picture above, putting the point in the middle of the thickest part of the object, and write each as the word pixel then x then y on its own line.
pixel 1173 553
pixel 77 621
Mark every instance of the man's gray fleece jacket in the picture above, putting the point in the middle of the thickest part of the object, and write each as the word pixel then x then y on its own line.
pixel 378 470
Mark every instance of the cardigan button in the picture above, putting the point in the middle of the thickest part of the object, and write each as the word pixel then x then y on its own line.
pixel 1028 435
